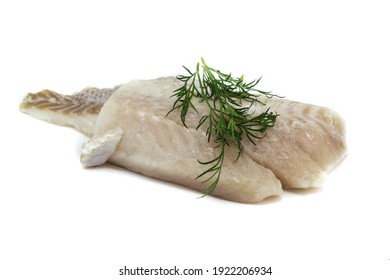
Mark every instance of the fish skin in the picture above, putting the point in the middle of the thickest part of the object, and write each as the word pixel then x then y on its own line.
pixel 78 110
pixel 298 152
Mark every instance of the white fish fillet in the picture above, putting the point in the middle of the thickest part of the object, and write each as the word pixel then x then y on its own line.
pixel 129 128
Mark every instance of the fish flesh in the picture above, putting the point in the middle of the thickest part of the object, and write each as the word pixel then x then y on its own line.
pixel 129 127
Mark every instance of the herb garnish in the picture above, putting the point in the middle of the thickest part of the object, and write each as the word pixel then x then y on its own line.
pixel 229 119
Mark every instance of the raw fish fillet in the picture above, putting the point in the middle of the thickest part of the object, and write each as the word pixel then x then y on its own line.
pixel 128 127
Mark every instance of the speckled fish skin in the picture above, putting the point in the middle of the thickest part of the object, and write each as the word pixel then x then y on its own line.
pixel 305 144
pixel 79 110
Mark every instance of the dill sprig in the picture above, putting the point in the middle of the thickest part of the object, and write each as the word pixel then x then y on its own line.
pixel 229 120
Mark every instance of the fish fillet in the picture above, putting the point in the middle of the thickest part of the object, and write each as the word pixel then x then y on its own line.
pixel 128 126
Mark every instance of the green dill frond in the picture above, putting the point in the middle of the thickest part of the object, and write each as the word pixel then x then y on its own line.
pixel 229 120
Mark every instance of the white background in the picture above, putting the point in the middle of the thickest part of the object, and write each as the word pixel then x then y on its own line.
pixel 60 221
